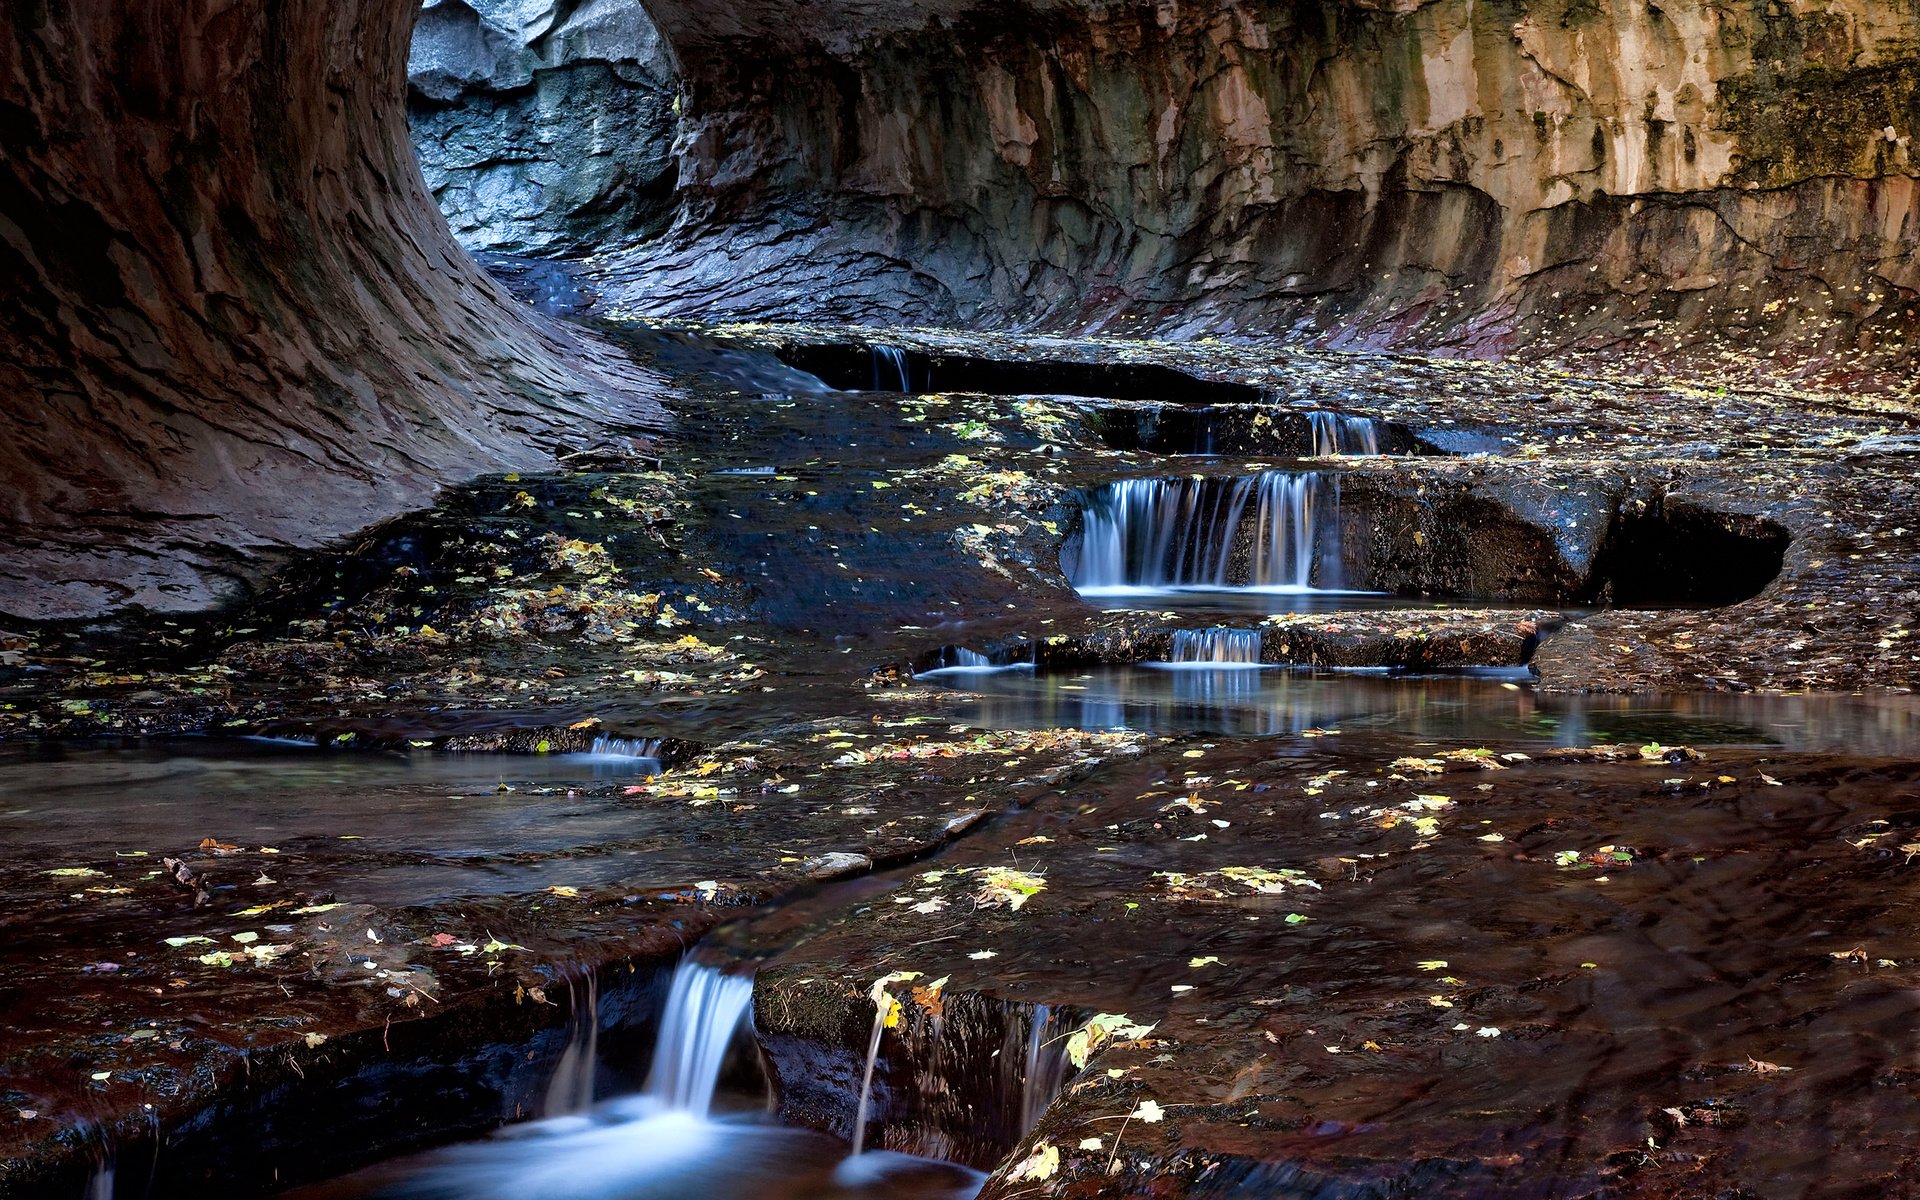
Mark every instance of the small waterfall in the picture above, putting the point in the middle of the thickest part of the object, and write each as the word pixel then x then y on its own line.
pixel 571 1088
pixel 647 749
pixel 960 657
pixel 705 1010
pixel 889 365
pixel 100 1184
pixel 1338 433
pixel 1158 533
pixel 1216 645
pixel 1044 1068
pixel 866 1078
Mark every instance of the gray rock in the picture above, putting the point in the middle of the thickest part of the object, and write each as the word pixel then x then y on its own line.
pixel 541 129
pixel 835 865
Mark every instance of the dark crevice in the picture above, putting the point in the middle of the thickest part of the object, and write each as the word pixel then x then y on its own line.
pixel 1244 429
pixel 851 366
pixel 1672 553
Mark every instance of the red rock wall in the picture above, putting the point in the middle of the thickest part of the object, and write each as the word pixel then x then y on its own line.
pixel 234 322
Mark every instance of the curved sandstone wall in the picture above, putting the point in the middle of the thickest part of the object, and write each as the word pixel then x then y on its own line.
pixel 235 323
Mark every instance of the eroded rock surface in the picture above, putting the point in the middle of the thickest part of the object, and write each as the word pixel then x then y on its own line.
pixel 237 323
pixel 1564 178
pixel 542 127
pixel 1459 971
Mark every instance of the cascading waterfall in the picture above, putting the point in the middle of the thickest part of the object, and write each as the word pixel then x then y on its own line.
pixel 571 1088
pixel 1216 645
pixel 100 1185
pixel 1170 533
pixel 665 1142
pixel 889 366
pixel 1338 433
pixel 645 752
pixel 959 658
pixel 706 1009
pixel 866 1077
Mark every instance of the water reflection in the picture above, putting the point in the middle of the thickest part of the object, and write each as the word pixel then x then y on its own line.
pixel 453 824
pixel 1471 706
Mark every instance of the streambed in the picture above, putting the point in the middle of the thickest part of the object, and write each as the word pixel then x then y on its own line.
pixel 1685 899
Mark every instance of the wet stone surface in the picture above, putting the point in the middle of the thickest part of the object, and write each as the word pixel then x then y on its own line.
pixel 563 725
pixel 385 898
pixel 1624 971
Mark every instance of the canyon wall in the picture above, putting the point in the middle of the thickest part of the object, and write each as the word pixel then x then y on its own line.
pixel 544 128
pixel 1729 181
pixel 235 324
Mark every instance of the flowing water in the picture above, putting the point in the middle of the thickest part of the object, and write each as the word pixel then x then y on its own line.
pixel 1460 708
pixel 643 753
pixel 890 369
pixel 572 1087
pixel 670 1141
pixel 1276 530
pixel 706 1012
pixel 1219 645
pixel 1341 434
pixel 1044 1064
pixel 866 1077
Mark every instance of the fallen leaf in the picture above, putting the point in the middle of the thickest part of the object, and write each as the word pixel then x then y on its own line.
pixel 1040 1164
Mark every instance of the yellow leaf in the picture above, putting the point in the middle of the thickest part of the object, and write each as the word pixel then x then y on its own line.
pixel 1040 1164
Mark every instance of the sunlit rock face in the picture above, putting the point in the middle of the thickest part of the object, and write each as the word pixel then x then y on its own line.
pixel 543 127
pixel 1452 174
pixel 235 324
